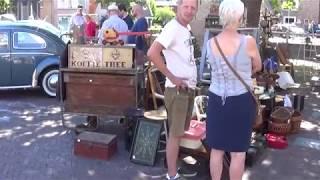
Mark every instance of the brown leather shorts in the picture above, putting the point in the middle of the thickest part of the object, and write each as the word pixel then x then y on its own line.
pixel 179 105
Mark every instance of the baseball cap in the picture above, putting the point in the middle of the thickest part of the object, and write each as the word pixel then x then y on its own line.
pixel 112 7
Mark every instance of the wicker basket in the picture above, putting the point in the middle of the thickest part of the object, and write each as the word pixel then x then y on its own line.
pixel 279 128
pixel 281 115
pixel 295 122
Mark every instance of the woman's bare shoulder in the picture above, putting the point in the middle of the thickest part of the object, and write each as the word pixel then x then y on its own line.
pixel 250 39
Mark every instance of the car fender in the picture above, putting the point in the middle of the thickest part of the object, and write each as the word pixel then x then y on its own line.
pixel 44 64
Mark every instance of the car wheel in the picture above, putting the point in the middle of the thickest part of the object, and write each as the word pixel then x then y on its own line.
pixel 49 82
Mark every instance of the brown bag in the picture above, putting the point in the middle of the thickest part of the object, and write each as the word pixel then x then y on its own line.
pixel 258 119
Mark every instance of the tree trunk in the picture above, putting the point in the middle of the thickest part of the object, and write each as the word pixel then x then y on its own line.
pixel 253 12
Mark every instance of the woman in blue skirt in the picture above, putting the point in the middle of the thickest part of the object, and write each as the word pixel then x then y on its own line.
pixel 231 108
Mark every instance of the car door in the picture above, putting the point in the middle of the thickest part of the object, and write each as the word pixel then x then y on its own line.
pixel 5 64
pixel 27 49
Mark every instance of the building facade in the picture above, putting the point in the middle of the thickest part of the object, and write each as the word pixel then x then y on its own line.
pixel 309 11
pixel 59 12
pixel 27 9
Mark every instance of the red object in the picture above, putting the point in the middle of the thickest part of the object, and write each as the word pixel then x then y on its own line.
pixel 196 131
pixel 90 29
pixel 95 145
pixel 134 33
pixel 276 141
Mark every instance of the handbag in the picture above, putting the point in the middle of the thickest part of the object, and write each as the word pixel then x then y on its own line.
pixel 258 118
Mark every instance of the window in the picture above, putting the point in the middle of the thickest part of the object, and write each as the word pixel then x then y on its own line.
pixel 64 22
pixel 70 4
pixel 4 40
pixel 289 19
pixel 25 40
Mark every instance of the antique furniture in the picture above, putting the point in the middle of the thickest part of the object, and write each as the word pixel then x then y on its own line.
pixel 101 80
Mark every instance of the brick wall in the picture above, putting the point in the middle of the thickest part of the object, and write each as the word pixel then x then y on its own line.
pixel 309 9
pixel 47 11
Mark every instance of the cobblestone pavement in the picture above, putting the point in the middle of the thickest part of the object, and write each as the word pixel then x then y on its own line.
pixel 35 146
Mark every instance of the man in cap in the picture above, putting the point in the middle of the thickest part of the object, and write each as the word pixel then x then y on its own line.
pixel 113 22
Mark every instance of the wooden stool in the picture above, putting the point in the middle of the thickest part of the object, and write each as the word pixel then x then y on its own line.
pixel 158 115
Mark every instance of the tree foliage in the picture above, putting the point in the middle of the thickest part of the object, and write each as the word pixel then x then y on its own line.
pixel 276 5
pixel 163 15
pixel 288 4
pixel 4 6
pixel 152 6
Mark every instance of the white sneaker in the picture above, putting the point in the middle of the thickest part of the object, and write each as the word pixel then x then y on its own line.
pixel 176 177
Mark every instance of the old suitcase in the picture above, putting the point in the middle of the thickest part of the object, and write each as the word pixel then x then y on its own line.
pixel 95 145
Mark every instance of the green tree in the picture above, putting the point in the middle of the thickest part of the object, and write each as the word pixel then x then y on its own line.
pixel 276 5
pixel 288 4
pixel 163 15
pixel 4 6
pixel 152 6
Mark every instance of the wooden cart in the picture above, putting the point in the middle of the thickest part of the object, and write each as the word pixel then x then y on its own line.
pixel 100 80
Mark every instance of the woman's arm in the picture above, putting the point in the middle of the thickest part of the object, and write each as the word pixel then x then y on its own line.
pixel 254 54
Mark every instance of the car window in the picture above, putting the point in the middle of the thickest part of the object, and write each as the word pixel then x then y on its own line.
pixel 25 40
pixel 4 40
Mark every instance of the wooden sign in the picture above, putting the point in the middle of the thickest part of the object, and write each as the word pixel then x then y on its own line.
pixel 99 57
pixel 118 58
pixel 85 57
pixel 145 143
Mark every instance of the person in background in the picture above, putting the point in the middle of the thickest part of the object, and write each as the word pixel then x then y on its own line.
pixel 77 19
pixel 90 28
pixel 140 25
pixel 104 16
pixel 115 22
pixel 231 108
pixel 123 13
pixel 181 77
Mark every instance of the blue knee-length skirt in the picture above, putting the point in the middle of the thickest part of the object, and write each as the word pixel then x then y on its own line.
pixel 229 126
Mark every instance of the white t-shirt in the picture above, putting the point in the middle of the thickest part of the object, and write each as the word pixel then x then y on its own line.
pixel 178 52
pixel 77 20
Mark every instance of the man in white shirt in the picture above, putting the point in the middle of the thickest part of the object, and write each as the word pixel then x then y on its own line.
pixel 77 19
pixel 181 76
pixel 115 22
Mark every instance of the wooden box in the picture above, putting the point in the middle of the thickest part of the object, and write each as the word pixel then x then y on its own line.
pixel 95 145
pixel 102 92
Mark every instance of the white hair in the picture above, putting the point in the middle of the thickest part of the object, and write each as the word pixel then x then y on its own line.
pixel 230 12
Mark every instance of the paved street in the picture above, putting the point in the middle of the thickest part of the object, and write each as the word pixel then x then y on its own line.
pixel 35 146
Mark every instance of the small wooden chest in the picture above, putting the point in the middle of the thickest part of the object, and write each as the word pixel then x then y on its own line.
pixel 95 145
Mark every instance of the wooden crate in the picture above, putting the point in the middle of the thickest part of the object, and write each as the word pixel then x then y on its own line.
pixel 102 93
pixel 95 145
